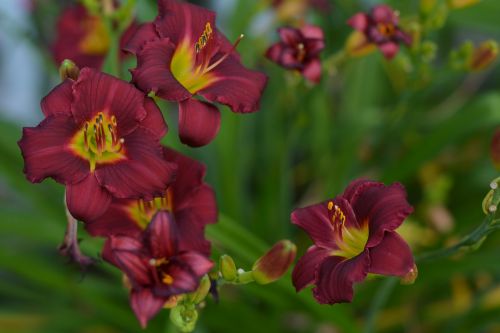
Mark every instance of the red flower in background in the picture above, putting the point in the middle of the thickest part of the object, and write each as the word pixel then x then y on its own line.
pixel 353 235
pixel 100 137
pixel 83 38
pixel 381 28
pixel 299 49
pixel 190 201
pixel 155 266
pixel 181 55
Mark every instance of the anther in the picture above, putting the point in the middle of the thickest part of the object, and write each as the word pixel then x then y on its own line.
pixel 330 205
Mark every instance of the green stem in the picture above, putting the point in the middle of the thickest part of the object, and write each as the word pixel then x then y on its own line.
pixel 378 303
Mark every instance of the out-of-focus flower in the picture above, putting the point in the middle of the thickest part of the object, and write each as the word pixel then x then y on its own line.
pixel 381 28
pixel 495 149
pixel 84 38
pixel 100 137
pixel 155 266
pixel 182 55
pixel 299 50
pixel 483 55
pixel 353 235
pixel 189 199
pixel 272 265
pixel 458 4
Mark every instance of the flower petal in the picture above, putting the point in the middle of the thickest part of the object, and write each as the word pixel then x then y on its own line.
pixel 115 221
pixel 96 92
pixel 154 120
pixel 314 220
pixel 384 14
pixel 58 100
pixel 290 36
pixel 46 153
pixel 312 32
pixel 304 271
pixel 359 22
pixel 144 33
pixel 144 175
pixel 87 200
pixel 312 71
pixel 145 305
pixel 385 208
pixel 200 264
pixel 153 71
pixel 389 49
pixel 199 122
pixel 161 235
pixel 336 276
pixel 236 86
pixel 392 256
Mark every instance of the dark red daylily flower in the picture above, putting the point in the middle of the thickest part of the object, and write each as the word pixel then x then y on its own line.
pixel 353 235
pixel 299 49
pixel 381 28
pixel 182 55
pixel 189 199
pixel 84 38
pixel 100 137
pixel 155 266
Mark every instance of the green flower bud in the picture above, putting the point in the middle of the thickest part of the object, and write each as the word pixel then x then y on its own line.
pixel 483 56
pixel 199 295
pixel 274 264
pixel 184 317
pixel 227 268
pixel 411 276
pixel 68 70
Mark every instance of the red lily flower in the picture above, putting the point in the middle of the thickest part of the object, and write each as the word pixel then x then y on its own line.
pixel 100 137
pixel 380 27
pixel 299 50
pixel 83 38
pixel 181 55
pixel 155 266
pixel 353 235
pixel 190 201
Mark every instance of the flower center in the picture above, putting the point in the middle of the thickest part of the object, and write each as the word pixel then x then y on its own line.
pixel 143 211
pixel 159 263
pixel 386 29
pixel 351 241
pixel 96 40
pixel 98 141
pixel 301 52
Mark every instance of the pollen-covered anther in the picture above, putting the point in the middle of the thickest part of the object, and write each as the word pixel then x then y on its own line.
pixel 204 38
pixel 103 136
pixel 167 279
pixel 387 29
pixel 301 52
pixel 157 262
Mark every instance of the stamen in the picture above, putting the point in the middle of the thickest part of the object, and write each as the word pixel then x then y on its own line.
pixel 330 205
pixel 204 38
pixel 224 57
pixel 167 279
pixel 85 137
pixel 301 52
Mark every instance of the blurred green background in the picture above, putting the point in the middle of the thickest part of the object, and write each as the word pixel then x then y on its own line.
pixel 413 121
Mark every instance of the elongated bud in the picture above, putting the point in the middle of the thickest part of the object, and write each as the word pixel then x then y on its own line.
pixel 357 45
pixel 411 276
pixel 483 56
pixel 199 295
pixel 272 265
pixel 458 4
pixel 228 268
pixel 68 70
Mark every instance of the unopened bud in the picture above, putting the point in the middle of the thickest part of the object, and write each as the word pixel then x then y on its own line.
pixel 227 268
pixel 483 56
pixel 184 317
pixel 411 276
pixel 272 265
pixel 199 295
pixel 68 70
pixel 458 4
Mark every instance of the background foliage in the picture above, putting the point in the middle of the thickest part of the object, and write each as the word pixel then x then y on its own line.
pixel 427 127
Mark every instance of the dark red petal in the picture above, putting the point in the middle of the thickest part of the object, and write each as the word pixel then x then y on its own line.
pixel 144 33
pixel 304 271
pixel 404 37
pixel 96 92
pixel 199 264
pixel 46 152
pixel 145 305
pixel 191 234
pixel 359 22
pixel 154 120
pixel 384 207
pixel 181 20
pixel 236 86
pixel 275 51
pixel 355 186
pixel 312 71
pixel 153 71
pixel 284 55
pixel 314 47
pixel 115 221
pixel 384 14
pixel 392 256
pixel 87 200
pixel 336 276
pixel 161 235
pixel 199 122
pixel 145 174
pixel 290 36
pixel 389 49
pixel 312 31
pixel 58 101
pixel 314 220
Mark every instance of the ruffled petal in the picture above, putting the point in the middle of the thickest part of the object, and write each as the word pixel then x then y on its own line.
pixel 115 221
pixel 312 32
pixel 304 271
pixel 46 152
pixel 312 71
pixel 191 234
pixel 336 276
pixel 199 122
pixel 384 14
pixel 145 305
pixel 154 120
pixel 161 235
pixel 392 256
pixel 87 200
pixel 145 32
pixel 144 175
pixel 389 49
pixel 315 221
pixel 153 71
pixel 359 22
pixel 384 207
pixel 200 264
pixel 58 101
pixel 239 88
pixel 290 36
pixel 96 92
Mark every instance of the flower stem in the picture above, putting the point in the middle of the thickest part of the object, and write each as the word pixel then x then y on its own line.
pixel 378 303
